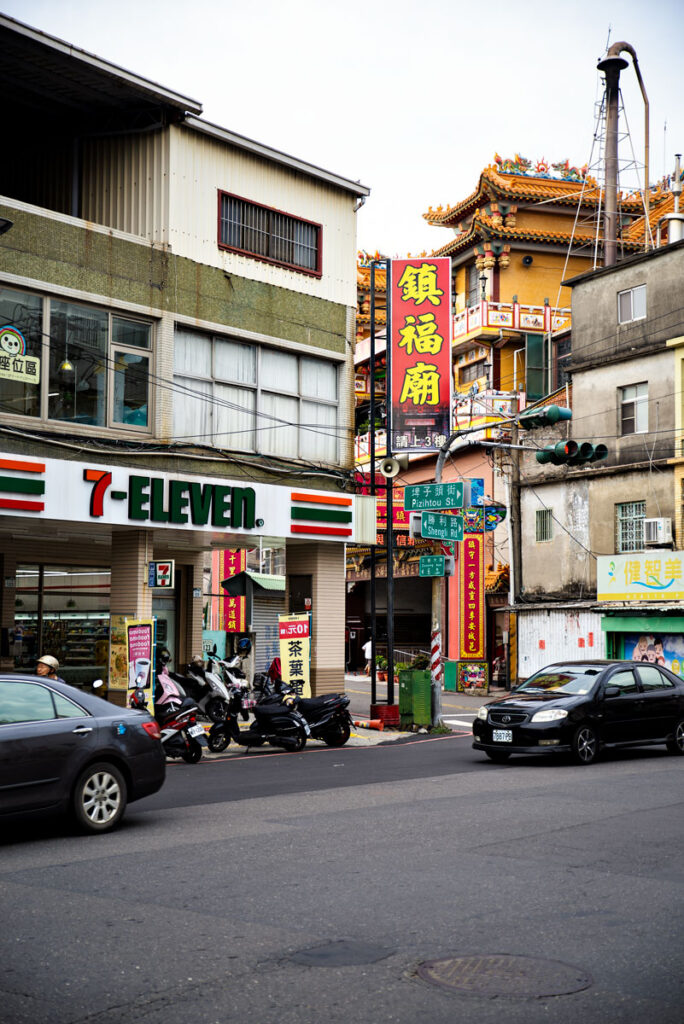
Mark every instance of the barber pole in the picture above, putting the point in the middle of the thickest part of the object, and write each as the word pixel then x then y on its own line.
pixel 436 656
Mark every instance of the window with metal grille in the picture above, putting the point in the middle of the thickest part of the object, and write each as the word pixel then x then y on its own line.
pixel 473 286
pixel 472 371
pixel 632 304
pixel 634 409
pixel 629 526
pixel 269 235
pixel 543 525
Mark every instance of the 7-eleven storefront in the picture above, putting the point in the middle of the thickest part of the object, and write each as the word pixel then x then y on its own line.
pixel 76 540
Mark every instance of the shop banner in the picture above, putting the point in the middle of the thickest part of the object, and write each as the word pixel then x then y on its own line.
pixel 140 655
pixel 641 576
pixel 471 597
pixel 234 608
pixel 118 653
pixel 295 652
pixel 420 333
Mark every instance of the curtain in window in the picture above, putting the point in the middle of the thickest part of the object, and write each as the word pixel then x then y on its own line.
pixel 234 361
pixel 319 379
pixel 319 432
pixel 234 418
pixel 279 370
pixel 192 353
pixel 192 410
pixel 277 427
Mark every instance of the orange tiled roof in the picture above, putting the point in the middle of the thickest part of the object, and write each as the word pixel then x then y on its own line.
pixel 495 184
pixel 497 580
pixel 660 202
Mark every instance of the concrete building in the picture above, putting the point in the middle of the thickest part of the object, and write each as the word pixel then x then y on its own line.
pixel 177 310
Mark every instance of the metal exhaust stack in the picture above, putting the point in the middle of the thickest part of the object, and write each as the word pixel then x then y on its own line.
pixel 611 65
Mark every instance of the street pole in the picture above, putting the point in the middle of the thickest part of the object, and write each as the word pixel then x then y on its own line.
pixel 390 489
pixel 371 427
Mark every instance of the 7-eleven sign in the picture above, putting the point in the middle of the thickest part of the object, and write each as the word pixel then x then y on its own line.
pixel 161 574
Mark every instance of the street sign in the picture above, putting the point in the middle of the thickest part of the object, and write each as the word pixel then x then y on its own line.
pixel 440 527
pixel 421 497
pixel 160 574
pixel 431 565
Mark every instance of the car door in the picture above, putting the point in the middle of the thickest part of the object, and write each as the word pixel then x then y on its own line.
pixel 623 715
pixel 44 738
pixel 661 701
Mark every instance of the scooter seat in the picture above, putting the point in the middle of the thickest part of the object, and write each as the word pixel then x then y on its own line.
pixel 318 703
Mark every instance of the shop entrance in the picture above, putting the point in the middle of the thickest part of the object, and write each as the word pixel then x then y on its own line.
pixel 164 611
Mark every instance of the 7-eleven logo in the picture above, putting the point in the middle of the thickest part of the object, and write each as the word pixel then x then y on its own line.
pixel 101 481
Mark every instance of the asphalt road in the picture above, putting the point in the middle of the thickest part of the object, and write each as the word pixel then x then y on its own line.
pixel 297 888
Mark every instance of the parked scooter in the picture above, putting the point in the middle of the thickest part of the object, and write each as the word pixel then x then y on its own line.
pixel 206 688
pixel 181 735
pixel 327 715
pixel 275 724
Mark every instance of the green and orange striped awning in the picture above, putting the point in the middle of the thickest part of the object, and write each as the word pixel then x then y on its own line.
pixel 310 511
pixel 20 485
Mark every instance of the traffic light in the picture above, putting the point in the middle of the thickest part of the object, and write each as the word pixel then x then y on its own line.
pixel 569 453
pixel 550 414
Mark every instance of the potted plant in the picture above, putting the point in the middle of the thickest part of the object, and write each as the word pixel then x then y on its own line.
pixel 381 667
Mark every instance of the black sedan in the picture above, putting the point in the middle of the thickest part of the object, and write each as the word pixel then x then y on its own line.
pixel 581 706
pixel 62 750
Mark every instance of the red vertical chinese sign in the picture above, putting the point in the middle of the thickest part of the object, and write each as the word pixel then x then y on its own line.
pixel 234 608
pixel 471 597
pixel 420 333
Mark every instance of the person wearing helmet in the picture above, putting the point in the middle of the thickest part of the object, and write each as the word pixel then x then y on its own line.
pixel 47 666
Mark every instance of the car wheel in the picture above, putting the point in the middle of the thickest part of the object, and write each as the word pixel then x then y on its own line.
pixel 585 745
pixel 498 756
pixel 99 799
pixel 676 743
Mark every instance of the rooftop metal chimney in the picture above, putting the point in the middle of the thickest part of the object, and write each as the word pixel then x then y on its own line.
pixel 675 221
pixel 611 65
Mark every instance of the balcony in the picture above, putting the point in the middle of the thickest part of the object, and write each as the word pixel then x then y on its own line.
pixel 514 316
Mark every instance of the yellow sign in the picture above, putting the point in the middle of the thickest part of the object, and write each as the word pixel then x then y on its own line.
pixel 295 652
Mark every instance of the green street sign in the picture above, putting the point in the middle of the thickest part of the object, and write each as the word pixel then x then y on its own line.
pixel 431 565
pixel 421 497
pixel 438 527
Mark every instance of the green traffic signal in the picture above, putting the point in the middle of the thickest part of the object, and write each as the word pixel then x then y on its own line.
pixel 569 453
pixel 550 414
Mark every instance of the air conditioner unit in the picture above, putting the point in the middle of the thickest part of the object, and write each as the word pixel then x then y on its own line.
pixel 658 531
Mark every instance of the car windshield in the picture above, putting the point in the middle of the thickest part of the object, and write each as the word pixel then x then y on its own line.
pixel 560 679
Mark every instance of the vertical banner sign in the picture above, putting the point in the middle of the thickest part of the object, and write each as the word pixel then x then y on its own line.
pixel 295 652
pixel 471 597
pixel 118 653
pixel 420 337
pixel 140 655
pixel 234 608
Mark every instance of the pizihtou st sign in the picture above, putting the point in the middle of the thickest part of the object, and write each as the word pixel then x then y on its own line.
pixel 65 490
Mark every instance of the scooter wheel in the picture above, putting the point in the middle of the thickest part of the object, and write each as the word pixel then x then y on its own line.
pixel 300 741
pixel 193 754
pixel 217 741
pixel 337 735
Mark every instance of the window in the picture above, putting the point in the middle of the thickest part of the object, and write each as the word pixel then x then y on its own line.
pixel 25 702
pixel 634 409
pixel 248 398
pixel 543 525
pixel 473 286
pixel 629 526
pixel 624 680
pixel 632 304
pixel 269 234
pixel 652 679
pixel 563 350
pixel 87 365
pixel 472 371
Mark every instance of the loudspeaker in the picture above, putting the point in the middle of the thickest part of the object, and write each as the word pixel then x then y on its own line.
pixel 391 466
pixel 527 261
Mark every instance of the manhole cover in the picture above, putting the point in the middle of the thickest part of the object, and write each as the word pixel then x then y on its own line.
pixel 504 975
pixel 343 953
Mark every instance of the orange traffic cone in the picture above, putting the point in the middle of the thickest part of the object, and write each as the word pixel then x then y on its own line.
pixel 373 723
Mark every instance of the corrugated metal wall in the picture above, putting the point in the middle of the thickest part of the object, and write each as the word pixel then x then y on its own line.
pixel 126 183
pixel 265 612
pixel 201 166
pixel 548 636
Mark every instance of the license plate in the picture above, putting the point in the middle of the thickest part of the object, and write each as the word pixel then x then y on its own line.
pixel 502 735
pixel 195 730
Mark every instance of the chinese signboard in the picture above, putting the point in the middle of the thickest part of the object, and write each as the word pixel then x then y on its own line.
pixel 400 517
pixel 432 565
pixel 440 527
pixel 14 363
pixel 420 332
pixel 295 646
pixel 471 597
pixel 641 576
pixel 234 608
pixel 434 496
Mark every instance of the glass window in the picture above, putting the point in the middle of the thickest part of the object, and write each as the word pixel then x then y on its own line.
pixel 192 408
pixel 78 364
pixel 234 418
pixel 234 361
pixel 629 526
pixel 634 409
pixel 277 427
pixel 66 708
pixel 318 432
pixel 543 525
pixel 279 371
pixel 625 680
pixel 131 388
pixel 192 353
pixel 652 679
pixel 24 702
pixel 21 337
pixel 269 234
pixel 130 332
pixel 632 304
pixel 319 379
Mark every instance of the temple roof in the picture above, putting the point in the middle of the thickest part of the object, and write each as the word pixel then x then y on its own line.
pixel 660 202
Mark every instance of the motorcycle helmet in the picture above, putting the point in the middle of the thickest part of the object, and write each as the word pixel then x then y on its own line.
pixel 244 646
pixel 165 655
pixel 48 660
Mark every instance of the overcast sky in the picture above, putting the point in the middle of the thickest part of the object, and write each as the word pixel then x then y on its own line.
pixel 410 98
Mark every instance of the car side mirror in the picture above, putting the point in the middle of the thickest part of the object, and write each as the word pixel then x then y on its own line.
pixel 612 691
